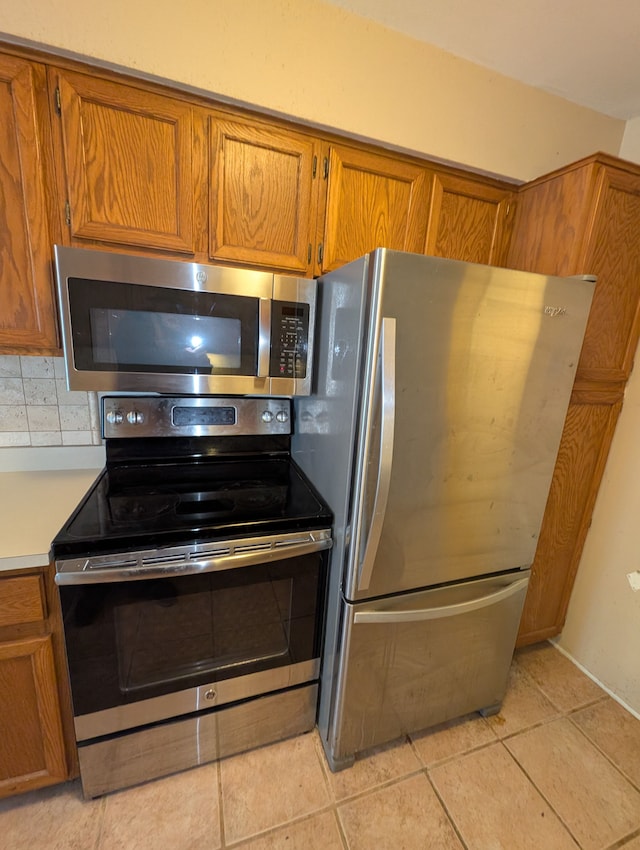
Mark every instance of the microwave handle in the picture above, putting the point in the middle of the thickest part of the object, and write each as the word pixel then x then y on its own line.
pixel 264 337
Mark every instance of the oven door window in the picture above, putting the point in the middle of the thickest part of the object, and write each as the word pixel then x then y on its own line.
pixel 119 327
pixel 134 640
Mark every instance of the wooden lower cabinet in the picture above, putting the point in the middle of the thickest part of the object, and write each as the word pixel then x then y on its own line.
pixel 36 739
pixel 587 435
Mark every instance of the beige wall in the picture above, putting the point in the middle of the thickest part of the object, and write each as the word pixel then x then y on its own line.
pixel 316 62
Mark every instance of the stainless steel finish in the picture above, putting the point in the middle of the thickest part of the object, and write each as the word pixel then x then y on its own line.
pixel 384 412
pixel 155 751
pixel 408 675
pixel 413 615
pixel 484 370
pixel 483 381
pixel 252 416
pixel 264 339
pixel 174 274
pixel 191 559
pixel 143 712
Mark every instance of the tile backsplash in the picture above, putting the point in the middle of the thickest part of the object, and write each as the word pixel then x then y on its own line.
pixel 37 409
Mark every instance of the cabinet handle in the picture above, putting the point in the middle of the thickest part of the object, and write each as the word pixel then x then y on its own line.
pixel 320 253
pixel 314 171
pixel 326 167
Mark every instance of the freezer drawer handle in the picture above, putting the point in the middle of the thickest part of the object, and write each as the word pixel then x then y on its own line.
pixel 387 377
pixel 442 611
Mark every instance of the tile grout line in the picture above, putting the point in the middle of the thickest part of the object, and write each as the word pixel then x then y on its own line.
pixel 445 809
pixel 540 792
pixel 602 752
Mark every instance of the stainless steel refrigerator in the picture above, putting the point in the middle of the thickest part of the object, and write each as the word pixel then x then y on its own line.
pixel 440 393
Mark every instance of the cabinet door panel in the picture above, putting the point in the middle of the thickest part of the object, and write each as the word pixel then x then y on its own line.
pixel 28 314
pixel 263 187
pixel 468 220
pixel 373 202
pixel 612 252
pixel 582 455
pixel 128 162
pixel 32 753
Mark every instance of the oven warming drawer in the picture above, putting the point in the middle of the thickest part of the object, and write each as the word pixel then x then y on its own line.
pixel 166 748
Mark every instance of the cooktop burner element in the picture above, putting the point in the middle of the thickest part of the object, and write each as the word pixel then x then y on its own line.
pixel 235 479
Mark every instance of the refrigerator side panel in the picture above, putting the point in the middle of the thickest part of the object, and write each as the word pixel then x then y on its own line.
pixel 485 361
pixel 424 658
pixel 327 430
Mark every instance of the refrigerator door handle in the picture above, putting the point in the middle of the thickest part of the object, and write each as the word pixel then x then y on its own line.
pixel 387 377
pixel 412 616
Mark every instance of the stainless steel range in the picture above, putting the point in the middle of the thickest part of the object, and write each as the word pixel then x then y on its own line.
pixel 192 581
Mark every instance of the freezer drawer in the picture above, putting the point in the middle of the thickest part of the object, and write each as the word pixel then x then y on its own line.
pixel 419 659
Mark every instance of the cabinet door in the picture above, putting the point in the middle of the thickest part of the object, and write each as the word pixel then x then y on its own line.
pixel 28 314
pixel 373 202
pixel 612 252
pixel 468 220
pixel 127 160
pixel 586 438
pixel 263 195
pixel 31 740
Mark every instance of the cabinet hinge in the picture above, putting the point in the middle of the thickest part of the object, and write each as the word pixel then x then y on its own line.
pixel 309 253
pixel 315 166
pixel 58 101
pixel 67 213
pixel 320 253
pixel 325 172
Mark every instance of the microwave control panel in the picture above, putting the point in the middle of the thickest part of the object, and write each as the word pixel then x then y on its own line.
pixel 289 339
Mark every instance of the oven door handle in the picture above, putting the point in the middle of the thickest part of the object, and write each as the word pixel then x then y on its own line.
pixel 241 553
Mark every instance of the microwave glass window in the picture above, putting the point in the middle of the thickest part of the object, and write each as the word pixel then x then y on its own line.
pixel 122 327
pixel 145 338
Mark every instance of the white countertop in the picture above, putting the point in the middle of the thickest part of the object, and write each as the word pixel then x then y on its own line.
pixel 39 490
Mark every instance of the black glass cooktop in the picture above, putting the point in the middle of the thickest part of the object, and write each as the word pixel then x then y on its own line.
pixel 146 505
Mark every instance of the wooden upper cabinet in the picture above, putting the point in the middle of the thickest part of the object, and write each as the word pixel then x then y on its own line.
pixel 374 201
pixel 28 314
pixel 127 163
pixel 584 220
pixel 263 194
pixel 468 220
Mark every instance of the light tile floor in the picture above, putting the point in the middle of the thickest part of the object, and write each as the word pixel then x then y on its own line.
pixel 558 768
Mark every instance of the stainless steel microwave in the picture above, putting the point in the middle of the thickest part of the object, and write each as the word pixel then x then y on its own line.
pixel 138 324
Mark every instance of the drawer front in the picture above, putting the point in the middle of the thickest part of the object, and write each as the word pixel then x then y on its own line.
pixel 21 600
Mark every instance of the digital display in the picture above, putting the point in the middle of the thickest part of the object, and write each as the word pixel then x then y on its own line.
pixel 204 416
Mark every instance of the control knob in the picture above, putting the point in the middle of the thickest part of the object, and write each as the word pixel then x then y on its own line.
pixel 134 417
pixel 282 416
pixel 114 417
pixel 267 416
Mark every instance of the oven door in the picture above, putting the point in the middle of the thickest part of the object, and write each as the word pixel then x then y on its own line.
pixel 145 650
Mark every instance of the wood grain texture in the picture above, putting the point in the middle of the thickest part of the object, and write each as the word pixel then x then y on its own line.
pixel 467 220
pixel 263 195
pixel 612 252
pixel 21 600
pixel 373 202
pixel 31 740
pixel 28 312
pixel 128 164
pixel 579 467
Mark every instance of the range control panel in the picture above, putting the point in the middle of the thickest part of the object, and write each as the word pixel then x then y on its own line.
pixel 176 416
pixel 289 339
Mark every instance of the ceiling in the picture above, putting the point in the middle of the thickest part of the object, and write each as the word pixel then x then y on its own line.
pixel 585 51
